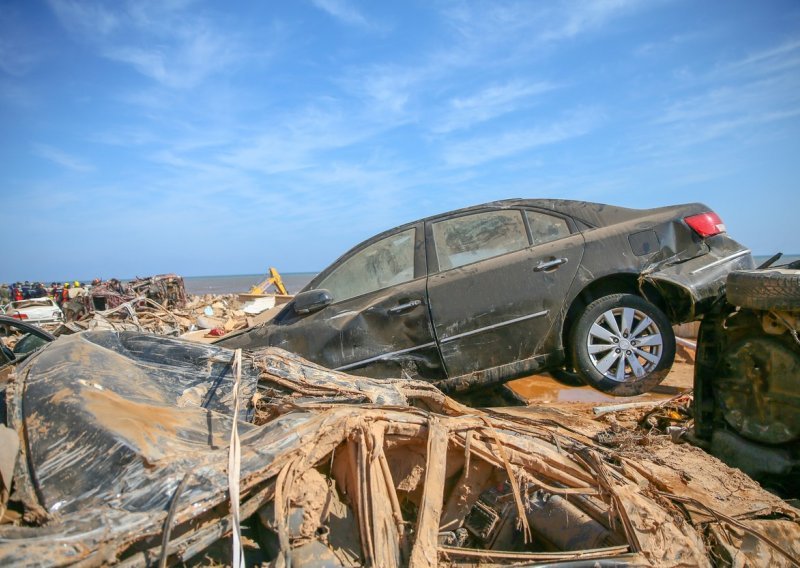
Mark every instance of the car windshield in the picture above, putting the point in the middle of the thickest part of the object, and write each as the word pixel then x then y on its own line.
pixel 29 343
pixel 385 263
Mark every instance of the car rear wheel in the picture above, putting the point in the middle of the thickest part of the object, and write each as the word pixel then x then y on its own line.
pixel 622 344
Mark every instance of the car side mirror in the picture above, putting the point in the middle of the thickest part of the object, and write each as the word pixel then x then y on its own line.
pixel 312 301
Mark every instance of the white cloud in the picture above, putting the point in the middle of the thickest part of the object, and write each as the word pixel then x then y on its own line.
pixel 570 19
pixel 524 23
pixel 184 64
pixel 480 150
pixel 783 57
pixel 62 158
pixel 664 46
pixel 343 11
pixel 388 88
pixel 165 42
pixel 20 49
pixel 295 141
pixel 85 18
pixel 759 89
pixel 491 102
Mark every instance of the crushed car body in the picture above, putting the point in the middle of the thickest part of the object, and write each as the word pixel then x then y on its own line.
pixel 123 442
pixel 167 290
pixel 479 296
pixel 124 452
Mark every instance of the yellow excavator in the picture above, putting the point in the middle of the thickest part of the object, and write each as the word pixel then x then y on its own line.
pixel 273 279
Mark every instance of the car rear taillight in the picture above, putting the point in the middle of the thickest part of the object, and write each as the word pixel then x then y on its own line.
pixel 706 224
pixel 20 316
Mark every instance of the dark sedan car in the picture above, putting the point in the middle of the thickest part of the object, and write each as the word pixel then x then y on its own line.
pixel 479 296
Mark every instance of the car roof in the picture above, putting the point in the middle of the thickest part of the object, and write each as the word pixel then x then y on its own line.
pixel 586 211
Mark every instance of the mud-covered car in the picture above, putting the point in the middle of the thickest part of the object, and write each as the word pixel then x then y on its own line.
pixel 486 294
pixel 747 376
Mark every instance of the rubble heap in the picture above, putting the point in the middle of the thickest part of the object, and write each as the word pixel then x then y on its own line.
pixel 338 470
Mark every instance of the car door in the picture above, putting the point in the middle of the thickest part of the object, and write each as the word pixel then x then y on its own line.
pixel 498 284
pixel 377 323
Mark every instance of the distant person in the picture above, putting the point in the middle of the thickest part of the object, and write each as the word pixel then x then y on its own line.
pixel 17 295
pixel 40 290
pixel 64 294
pixel 5 294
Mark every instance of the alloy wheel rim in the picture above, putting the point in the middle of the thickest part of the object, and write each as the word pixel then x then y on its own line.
pixel 624 344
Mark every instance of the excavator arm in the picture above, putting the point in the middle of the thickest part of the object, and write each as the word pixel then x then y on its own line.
pixel 274 279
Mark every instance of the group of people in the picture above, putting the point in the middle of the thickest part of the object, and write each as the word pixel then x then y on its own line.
pixel 61 293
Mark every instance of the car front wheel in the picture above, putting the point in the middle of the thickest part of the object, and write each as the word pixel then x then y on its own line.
pixel 622 344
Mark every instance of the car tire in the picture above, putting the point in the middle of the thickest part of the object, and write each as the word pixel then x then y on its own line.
pixel 773 289
pixel 622 344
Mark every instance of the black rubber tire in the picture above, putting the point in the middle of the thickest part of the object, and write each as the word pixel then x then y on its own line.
pixel 768 289
pixel 582 361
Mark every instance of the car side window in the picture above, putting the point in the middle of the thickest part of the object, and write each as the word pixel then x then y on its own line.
pixel 479 236
pixel 385 263
pixel 546 228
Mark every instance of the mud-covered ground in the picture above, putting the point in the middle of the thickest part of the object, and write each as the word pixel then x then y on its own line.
pixel 544 389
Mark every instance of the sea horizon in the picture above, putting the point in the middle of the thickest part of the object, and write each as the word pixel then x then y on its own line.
pixel 296 281
pixel 237 283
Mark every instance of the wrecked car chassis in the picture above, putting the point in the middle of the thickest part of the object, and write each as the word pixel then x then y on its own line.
pixel 747 377
pixel 124 447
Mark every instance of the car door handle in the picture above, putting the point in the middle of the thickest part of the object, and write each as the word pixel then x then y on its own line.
pixel 549 264
pixel 402 308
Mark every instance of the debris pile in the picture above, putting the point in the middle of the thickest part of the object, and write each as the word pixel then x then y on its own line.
pixel 222 313
pixel 160 305
pixel 339 470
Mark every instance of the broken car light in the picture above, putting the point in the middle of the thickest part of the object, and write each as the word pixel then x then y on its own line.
pixel 706 224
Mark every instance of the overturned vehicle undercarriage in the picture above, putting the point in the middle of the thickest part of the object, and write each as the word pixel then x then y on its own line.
pixel 134 449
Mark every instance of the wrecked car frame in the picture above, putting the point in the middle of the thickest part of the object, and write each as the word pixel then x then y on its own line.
pixel 747 377
pixel 122 456
pixel 483 295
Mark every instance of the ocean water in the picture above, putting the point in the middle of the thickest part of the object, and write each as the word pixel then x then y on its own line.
pixel 296 281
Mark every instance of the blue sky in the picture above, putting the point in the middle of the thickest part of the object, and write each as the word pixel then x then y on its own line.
pixel 224 137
